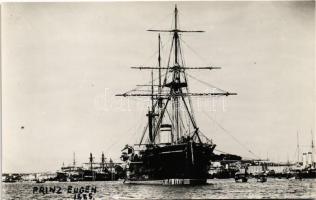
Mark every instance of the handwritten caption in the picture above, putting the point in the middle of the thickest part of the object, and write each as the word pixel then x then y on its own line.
pixel 83 192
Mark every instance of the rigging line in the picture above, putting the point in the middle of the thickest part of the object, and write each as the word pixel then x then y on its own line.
pixel 145 129
pixel 168 63
pixel 186 80
pixel 144 132
pixel 187 88
pixel 226 131
pixel 221 151
pixel 186 130
pixel 182 54
pixel 170 119
pixel 205 83
pixel 196 54
pixel 141 86
pixel 187 121
pixel 204 135
pixel 162 19
pixel 162 112
pixel 188 111
pixel 207 139
pixel 230 153
pixel 119 139
pixel 180 13
pixel 156 52
pixel 190 101
pixel 249 158
pixel 137 127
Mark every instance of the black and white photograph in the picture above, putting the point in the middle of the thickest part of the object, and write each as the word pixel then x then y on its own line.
pixel 158 100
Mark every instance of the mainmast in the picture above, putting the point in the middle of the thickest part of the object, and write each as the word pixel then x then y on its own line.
pixel 177 93
pixel 176 76
pixel 175 35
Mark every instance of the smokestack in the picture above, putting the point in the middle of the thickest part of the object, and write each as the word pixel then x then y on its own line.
pixel 309 158
pixel 304 159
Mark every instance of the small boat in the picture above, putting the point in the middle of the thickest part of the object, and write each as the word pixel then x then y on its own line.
pixel 261 177
pixel 241 177
pixel 9 181
pixel 40 181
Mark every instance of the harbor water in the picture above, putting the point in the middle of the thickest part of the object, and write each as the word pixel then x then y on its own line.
pixel 216 188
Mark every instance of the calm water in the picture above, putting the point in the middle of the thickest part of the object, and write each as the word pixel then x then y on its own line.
pixel 274 188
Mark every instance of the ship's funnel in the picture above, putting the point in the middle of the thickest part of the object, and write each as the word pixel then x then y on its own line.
pixel 304 159
pixel 309 158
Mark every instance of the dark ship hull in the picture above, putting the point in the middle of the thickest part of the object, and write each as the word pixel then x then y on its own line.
pixel 187 162
pixel 302 174
pixel 309 173
pixel 89 175
pixel 85 175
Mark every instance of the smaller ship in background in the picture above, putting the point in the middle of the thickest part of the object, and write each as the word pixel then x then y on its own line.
pixel 92 171
pixel 306 168
pixel 70 172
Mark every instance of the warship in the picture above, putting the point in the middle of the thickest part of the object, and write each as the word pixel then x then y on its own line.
pixel 94 171
pixel 306 168
pixel 172 149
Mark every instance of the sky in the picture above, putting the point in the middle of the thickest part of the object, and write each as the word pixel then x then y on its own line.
pixel 63 63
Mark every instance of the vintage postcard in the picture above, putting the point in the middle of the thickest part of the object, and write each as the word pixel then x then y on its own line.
pixel 158 100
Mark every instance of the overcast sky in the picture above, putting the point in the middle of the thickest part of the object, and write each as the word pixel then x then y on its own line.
pixel 62 64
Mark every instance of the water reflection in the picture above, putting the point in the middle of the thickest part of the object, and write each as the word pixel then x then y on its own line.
pixel 274 188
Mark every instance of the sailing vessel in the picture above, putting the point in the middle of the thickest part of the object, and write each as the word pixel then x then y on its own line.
pixel 172 149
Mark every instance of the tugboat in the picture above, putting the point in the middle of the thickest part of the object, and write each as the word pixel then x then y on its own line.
pixel 174 150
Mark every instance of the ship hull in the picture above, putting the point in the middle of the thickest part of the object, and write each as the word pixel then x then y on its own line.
pixel 184 163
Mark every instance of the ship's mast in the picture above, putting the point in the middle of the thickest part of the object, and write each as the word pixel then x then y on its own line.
pixel 103 161
pixel 175 35
pixel 159 73
pixel 91 166
pixel 151 112
pixel 313 149
pixel 176 76
pixel 298 148
pixel 74 161
pixel 178 91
